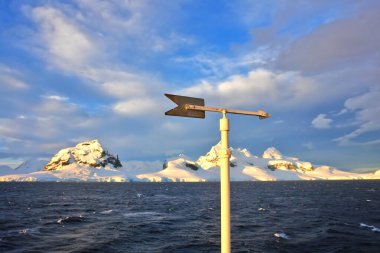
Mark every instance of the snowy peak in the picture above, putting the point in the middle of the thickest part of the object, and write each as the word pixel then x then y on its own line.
pixel 210 160
pixel 89 161
pixel 175 170
pixel 89 154
pixel 31 165
pixel 272 153
pixel 5 170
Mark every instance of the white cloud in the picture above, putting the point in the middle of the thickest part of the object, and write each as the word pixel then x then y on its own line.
pixel 55 97
pixel 48 121
pixel 71 47
pixel 259 87
pixel 11 78
pixel 68 46
pixel 137 107
pixel 124 89
pixel 367 110
pixel 219 66
pixel 341 42
pixel 139 26
pixel 321 122
pixel 122 84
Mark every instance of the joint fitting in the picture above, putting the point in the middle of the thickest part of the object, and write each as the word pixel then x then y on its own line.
pixel 224 124
pixel 224 153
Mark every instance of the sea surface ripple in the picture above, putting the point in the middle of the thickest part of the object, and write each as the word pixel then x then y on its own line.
pixel 317 216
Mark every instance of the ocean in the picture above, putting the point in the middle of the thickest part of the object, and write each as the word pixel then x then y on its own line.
pixel 297 216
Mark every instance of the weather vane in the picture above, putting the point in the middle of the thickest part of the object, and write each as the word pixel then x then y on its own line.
pixel 195 108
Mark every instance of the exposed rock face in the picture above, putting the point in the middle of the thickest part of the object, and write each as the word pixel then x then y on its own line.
pixel 281 164
pixel 210 160
pixel 305 166
pixel 289 165
pixel 89 153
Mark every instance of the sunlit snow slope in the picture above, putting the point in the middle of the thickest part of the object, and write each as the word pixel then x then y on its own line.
pixel 89 161
pixel 270 166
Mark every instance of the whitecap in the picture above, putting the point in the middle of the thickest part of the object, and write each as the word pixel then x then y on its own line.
pixel 23 231
pixel 107 211
pixel 141 214
pixel 164 196
pixel 281 235
pixel 28 231
pixel 70 219
pixel 373 228
pixel 261 209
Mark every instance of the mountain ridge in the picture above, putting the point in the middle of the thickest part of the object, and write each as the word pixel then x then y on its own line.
pixel 90 161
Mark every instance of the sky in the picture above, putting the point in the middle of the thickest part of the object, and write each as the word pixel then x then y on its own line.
pixel 78 70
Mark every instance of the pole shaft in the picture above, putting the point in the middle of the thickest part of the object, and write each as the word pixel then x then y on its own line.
pixel 224 163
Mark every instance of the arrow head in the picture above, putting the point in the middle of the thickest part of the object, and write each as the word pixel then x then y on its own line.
pixel 181 111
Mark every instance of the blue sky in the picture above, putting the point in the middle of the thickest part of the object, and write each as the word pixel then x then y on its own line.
pixel 71 71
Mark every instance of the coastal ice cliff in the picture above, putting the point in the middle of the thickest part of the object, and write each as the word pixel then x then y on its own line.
pixel 89 161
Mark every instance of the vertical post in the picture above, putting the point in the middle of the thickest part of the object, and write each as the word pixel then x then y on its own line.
pixel 224 163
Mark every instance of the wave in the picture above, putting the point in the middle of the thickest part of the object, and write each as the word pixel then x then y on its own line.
pixel 164 196
pixel 281 235
pixel 70 219
pixel 107 211
pixel 372 228
pixel 142 214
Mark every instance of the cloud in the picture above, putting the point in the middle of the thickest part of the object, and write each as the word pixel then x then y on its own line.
pixel 11 79
pixel 72 47
pixel 55 97
pixel 68 46
pixel 215 65
pixel 321 122
pixel 48 119
pixel 259 87
pixel 122 84
pixel 137 107
pixel 138 26
pixel 367 110
pixel 339 43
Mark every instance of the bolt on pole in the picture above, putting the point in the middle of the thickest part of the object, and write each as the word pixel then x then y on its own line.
pixel 194 108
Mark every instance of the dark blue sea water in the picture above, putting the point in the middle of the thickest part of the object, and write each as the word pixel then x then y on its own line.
pixel 318 216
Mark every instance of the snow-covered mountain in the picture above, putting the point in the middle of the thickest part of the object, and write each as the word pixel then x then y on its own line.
pixel 89 161
pixel 180 169
pixel 31 165
pixel 270 166
pixel 5 170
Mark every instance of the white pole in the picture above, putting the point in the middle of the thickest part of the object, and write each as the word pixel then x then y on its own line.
pixel 224 164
